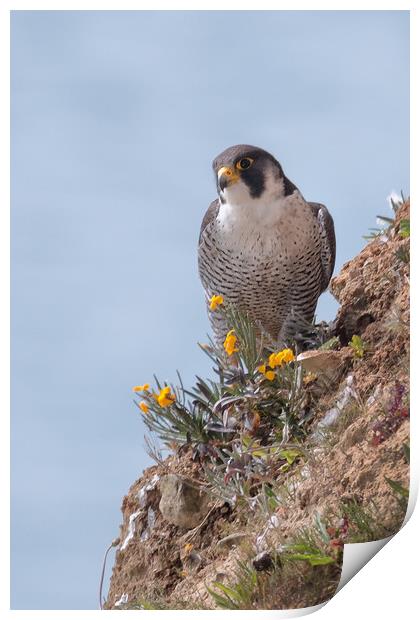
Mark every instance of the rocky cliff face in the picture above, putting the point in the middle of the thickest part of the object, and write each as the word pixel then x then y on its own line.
pixel 344 480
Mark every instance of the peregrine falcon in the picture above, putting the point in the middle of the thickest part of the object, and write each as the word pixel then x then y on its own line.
pixel 262 247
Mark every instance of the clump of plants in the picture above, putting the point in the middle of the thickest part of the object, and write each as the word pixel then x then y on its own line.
pixel 363 523
pixel 358 346
pixel 258 581
pixel 242 593
pixel 386 224
pixel 322 544
pixel 258 393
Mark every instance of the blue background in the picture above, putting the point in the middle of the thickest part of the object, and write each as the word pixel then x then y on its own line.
pixel 116 117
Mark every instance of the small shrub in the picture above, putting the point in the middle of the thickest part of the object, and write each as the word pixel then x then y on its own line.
pixel 358 346
pixel 364 523
pixel 241 594
pixel 404 229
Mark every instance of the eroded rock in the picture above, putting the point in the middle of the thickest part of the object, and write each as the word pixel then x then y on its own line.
pixel 325 363
pixel 181 503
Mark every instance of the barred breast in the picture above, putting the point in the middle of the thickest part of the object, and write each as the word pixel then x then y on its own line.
pixel 271 269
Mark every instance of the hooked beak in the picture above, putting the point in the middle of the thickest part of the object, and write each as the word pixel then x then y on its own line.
pixel 226 176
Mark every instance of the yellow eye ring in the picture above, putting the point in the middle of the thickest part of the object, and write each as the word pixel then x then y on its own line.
pixel 244 163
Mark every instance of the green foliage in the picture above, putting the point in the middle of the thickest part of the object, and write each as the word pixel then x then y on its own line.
pixel 331 345
pixel 364 522
pixel 384 230
pixel 251 342
pixel 290 455
pixel 240 471
pixel 397 487
pixel 181 422
pixel 397 202
pixel 404 228
pixel 387 222
pixel 310 554
pixel 358 346
pixel 241 594
pixel 244 427
pixel 321 529
pixel 271 498
pixel 400 492
pixel 312 545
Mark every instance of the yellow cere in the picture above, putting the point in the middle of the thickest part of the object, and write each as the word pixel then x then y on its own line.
pixel 144 407
pixel 231 175
pixel 230 343
pixel 165 398
pixel 226 171
pixel 141 388
pixel 215 301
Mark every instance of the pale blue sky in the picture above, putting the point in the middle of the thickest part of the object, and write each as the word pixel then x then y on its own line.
pixel 116 117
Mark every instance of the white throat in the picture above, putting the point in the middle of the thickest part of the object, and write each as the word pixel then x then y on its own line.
pixel 241 210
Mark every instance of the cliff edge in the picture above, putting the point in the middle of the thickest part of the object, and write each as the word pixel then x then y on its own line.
pixel 254 515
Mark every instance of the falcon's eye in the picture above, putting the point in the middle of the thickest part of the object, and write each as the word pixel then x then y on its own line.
pixel 244 163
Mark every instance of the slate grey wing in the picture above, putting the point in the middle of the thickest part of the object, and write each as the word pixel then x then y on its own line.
pixel 213 268
pixel 209 218
pixel 208 254
pixel 328 244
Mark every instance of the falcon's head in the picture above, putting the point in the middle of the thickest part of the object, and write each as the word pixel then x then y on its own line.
pixel 246 173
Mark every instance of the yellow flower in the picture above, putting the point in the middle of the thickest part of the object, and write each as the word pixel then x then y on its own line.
pixel 188 548
pixel 165 398
pixel 280 358
pixel 288 355
pixel 230 343
pixel 215 301
pixel 141 388
pixel 144 407
pixel 269 374
pixel 274 360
